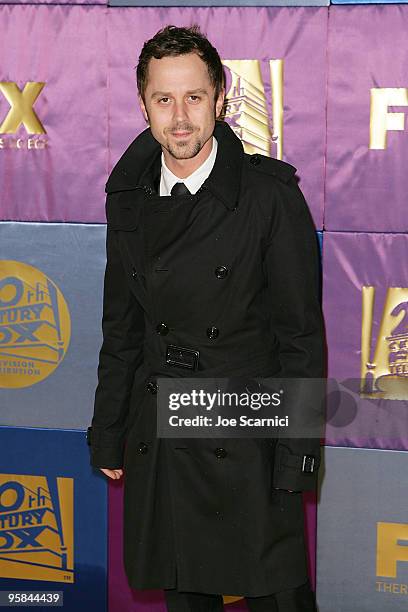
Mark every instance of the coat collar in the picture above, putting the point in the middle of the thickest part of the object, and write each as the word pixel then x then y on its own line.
pixel 139 166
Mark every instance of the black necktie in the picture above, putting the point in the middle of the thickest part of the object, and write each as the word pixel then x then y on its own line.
pixel 179 189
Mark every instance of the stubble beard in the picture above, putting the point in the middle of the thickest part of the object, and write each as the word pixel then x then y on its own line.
pixel 184 149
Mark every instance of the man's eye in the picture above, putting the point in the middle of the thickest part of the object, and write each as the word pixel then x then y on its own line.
pixel 165 100
pixel 195 98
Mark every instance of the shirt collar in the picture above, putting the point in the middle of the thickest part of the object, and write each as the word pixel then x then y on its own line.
pixel 194 181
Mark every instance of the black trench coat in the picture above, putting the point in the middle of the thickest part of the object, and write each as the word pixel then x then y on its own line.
pixel 231 271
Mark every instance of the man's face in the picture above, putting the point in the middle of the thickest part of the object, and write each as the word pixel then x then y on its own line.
pixel 179 105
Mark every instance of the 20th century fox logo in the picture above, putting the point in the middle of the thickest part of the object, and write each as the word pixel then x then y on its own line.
pixel 384 355
pixel 34 325
pixel 246 107
pixel 36 527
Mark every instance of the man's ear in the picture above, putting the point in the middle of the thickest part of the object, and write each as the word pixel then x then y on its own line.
pixel 143 108
pixel 219 103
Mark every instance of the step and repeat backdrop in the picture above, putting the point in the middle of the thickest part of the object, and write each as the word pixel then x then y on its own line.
pixel 322 87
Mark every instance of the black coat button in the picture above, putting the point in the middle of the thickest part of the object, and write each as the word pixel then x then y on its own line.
pixel 134 273
pixel 255 160
pixel 212 332
pixel 220 453
pixel 151 387
pixel 221 271
pixel 162 329
pixel 143 448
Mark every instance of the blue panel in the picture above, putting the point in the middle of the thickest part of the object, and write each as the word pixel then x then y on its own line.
pixel 49 378
pixel 47 486
pixel 362 531
pixel 369 1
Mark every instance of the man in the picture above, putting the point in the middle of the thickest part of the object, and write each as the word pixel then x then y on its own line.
pixel 211 255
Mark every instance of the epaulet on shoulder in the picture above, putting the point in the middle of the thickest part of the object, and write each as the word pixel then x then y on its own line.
pixel 270 165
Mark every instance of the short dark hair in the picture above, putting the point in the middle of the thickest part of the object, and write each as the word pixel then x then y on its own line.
pixel 172 40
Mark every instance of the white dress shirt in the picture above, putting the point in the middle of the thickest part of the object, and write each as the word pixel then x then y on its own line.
pixel 192 182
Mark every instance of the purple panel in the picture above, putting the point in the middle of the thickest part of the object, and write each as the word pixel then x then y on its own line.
pixel 310 509
pixel 367 339
pixel 53 2
pixel 58 175
pixel 120 597
pixel 366 187
pixel 123 599
pixel 295 35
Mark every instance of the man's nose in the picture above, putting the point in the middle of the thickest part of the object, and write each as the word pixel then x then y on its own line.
pixel 180 110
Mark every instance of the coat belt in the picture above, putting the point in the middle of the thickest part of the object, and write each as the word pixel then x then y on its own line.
pixel 261 363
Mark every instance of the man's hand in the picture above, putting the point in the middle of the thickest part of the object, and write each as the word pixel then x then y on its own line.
pixel 114 474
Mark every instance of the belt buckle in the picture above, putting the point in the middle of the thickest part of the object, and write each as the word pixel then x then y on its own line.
pixel 182 357
pixel 308 464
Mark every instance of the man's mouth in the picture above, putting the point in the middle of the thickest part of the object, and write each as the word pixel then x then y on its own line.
pixel 181 134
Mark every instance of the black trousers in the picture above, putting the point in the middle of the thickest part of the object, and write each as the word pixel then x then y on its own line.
pixel 300 599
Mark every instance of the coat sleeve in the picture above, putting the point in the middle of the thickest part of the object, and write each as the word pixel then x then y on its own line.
pixel 292 269
pixel 120 355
